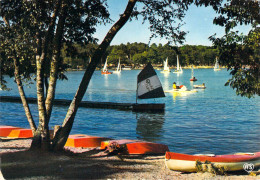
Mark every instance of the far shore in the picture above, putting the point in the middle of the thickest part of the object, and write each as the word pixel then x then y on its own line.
pixel 157 67
pixel 19 163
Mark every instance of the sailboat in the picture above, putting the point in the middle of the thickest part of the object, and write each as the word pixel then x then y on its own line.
pixel 179 69
pixel 118 69
pixel 166 68
pixel 192 74
pixel 105 71
pixel 216 67
pixel 149 86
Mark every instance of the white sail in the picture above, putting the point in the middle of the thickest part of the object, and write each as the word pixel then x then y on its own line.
pixel 178 69
pixel 118 69
pixel 216 67
pixel 105 66
pixel 166 67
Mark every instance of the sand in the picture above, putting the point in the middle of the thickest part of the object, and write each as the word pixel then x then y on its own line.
pixel 19 163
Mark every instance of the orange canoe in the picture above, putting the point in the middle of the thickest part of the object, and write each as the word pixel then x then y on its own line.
pixel 21 133
pixel 81 140
pixel 5 130
pixel 231 162
pixel 137 147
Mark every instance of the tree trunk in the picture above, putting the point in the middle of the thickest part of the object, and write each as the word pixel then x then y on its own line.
pixel 55 61
pixel 63 133
pixel 22 95
pixel 41 139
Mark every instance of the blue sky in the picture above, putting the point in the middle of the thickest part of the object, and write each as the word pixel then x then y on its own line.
pixel 198 24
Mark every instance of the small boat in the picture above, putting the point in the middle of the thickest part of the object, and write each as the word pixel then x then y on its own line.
pixel 183 89
pixel 5 130
pixel 216 67
pixel 199 86
pixel 135 147
pixel 178 69
pixel 118 69
pixel 192 75
pixel 128 68
pixel 166 68
pixel 84 141
pixel 21 133
pixel 233 162
pixel 105 71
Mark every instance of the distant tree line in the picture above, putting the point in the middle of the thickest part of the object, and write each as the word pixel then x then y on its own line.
pixel 141 53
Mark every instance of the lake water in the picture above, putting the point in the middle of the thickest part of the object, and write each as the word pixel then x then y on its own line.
pixel 214 120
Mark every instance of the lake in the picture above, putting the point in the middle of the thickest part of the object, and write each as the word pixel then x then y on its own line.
pixel 213 120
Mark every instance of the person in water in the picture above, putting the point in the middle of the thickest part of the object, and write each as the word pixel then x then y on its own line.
pixel 174 86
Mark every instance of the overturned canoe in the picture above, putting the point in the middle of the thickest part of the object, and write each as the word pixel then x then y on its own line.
pixel 136 147
pixel 21 133
pixel 5 130
pixel 85 141
pixel 232 162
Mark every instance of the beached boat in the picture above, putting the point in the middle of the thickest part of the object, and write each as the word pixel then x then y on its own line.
pixel 166 68
pixel 178 68
pixel 5 130
pixel 192 74
pixel 199 86
pixel 104 70
pixel 118 69
pixel 216 67
pixel 233 162
pixel 135 147
pixel 84 141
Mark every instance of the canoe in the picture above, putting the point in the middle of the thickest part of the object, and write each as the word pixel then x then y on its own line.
pixel 21 133
pixel 232 162
pixel 199 86
pixel 84 141
pixel 180 91
pixel 5 130
pixel 137 147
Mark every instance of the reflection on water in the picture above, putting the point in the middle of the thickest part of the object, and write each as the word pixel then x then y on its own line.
pixel 150 126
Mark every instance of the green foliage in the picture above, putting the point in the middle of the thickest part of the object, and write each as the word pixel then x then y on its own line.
pixel 240 53
pixel 140 53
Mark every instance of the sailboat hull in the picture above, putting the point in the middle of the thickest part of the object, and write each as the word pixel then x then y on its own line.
pixel 106 72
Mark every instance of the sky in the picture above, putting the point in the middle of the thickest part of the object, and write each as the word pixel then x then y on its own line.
pixel 198 24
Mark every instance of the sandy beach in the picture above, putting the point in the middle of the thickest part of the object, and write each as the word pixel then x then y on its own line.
pixel 18 163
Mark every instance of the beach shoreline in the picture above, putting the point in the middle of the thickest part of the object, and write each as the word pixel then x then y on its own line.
pixel 17 162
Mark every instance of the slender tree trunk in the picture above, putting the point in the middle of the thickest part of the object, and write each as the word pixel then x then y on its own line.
pixel 41 138
pixel 20 88
pixel 63 133
pixel 55 61
pixel 22 95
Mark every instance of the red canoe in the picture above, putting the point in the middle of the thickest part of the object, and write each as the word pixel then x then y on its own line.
pixel 84 141
pixel 137 147
pixel 232 162
pixel 21 133
pixel 106 72
pixel 5 130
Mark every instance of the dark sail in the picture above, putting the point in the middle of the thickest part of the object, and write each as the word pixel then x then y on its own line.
pixel 148 84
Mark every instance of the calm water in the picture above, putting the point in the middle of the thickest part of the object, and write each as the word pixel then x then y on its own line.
pixel 213 120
